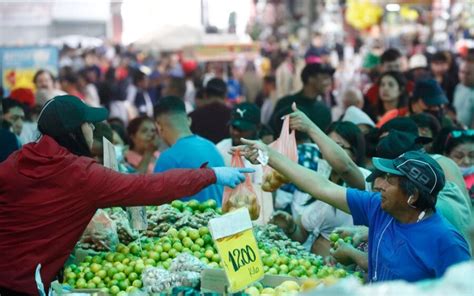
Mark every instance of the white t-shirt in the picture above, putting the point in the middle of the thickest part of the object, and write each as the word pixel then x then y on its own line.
pixel 320 218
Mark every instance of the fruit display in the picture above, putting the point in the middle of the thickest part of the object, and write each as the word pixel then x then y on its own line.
pixel 273 180
pixel 179 246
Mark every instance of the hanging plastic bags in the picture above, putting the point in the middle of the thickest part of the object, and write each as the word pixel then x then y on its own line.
pixel 243 195
pixel 286 145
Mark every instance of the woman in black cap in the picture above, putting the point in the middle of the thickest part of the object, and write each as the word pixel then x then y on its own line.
pixel 50 189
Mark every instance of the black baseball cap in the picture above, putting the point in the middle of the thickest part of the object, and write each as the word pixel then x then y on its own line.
pixel 63 114
pixel 430 92
pixel 417 166
pixel 245 116
pixel 398 142
pixel 403 124
pixel 216 86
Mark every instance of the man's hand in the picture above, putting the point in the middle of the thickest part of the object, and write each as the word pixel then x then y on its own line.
pixel 299 121
pixel 284 221
pixel 342 252
pixel 358 234
pixel 251 150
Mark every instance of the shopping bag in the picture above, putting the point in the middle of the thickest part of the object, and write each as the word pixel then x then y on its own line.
pixel 100 234
pixel 286 145
pixel 243 195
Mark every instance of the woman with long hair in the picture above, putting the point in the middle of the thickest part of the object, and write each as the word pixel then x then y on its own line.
pixel 143 144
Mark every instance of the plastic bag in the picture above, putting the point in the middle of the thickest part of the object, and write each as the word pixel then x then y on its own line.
pixel 243 195
pixel 125 232
pixel 286 145
pixel 100 234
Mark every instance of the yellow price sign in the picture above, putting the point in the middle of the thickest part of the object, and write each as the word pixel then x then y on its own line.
pixel 237 248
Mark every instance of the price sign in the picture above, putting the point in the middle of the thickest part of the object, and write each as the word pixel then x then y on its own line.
pixel 237 248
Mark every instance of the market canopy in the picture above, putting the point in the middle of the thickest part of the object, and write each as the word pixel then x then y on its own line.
pixel 171 38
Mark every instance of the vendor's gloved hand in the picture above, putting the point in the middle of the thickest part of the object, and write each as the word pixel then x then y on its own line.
pixel 231 177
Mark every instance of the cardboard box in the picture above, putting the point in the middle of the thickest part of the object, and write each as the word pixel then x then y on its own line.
pixel 215 281
pixel 85 292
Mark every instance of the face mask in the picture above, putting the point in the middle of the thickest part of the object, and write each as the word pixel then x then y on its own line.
pixel 466 171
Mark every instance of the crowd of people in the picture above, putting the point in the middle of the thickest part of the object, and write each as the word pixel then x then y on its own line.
pixel 389 147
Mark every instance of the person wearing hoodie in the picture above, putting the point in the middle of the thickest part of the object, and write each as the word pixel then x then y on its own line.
pixel 51 188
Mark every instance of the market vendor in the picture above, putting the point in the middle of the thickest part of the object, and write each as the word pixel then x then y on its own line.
pixel 408 239
pixel 50 189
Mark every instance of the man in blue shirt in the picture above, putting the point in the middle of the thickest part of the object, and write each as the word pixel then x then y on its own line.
pixel 408 240
pixel 186 149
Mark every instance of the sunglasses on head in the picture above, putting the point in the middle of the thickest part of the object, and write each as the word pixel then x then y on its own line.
pixel 457 134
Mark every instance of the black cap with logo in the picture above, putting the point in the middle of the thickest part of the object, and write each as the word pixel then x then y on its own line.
pixel 245 116
pixel 417 166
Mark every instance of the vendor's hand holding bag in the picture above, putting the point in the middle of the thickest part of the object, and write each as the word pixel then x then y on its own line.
pixel 286 145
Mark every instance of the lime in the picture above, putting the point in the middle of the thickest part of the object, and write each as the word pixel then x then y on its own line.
pixel 203 230
pixel 88 276
pixel 193 234
pixel 158 248
pixel 150 262
pixel 178 246
pixel 195 248
pixel 207 239
pixel 334 237
pixel 187 242
pixel 200 242
pixel 91 285
pixel 154 255
pixel 211 204
pixel 137 283
pixel 177 204
pixel 96 280
pixel 112 271
pixel 166 247
pixel 81 284
pixel 193 204
pixel 164 256
pixel 216 258
pixel 135 249
pixel 133 276
pixel 209 254
pixel 114 290
pixel 173 253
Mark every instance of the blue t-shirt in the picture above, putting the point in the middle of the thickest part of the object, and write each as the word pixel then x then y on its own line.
pixel 411 252
pixel 189 153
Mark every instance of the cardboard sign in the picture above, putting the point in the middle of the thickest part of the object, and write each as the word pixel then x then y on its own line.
pixel 237 248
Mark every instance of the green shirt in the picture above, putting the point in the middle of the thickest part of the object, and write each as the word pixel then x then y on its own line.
pixel 452 204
